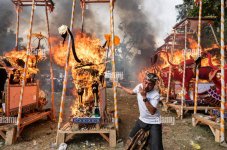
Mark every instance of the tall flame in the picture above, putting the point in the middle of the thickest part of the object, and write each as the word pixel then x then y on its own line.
pixel 92 55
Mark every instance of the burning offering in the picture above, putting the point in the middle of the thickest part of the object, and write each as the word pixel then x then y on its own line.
pixel 87 67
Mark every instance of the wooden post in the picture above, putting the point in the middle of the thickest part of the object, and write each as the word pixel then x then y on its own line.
pixel 184 69
pixel 25 69
pixel 112 138
pixel 10 136
pixel 51 67
pixel 61 138
pixel 66 72
pixel 18 23
pixel 222 51
pixel 198 54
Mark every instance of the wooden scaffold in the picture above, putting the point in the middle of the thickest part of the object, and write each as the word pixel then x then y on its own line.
pixel 183 25
pixel 24 88
pixel 218 129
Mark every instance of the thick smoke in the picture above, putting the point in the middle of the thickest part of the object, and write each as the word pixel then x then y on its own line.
pixel 7 36
pixel 135 24
pixel 91 24
pixel 128 13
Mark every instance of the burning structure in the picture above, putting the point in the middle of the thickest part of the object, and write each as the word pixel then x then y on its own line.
pixel 88 76
pixel 20 91
pixel 12 66
pixel 87 72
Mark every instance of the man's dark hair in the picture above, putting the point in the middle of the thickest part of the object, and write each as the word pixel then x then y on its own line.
pixel 151 77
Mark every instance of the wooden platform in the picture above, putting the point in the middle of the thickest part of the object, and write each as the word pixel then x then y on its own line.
pixel 8 132
pixel 215 127
pixel 177 108
pixel 69 130
pixel 164 104
pixel 33 117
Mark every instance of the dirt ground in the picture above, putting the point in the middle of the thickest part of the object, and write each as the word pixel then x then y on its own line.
pixel 42 134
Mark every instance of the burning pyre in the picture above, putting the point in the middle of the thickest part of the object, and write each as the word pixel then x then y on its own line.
pixel 14 62
pixel 88 74
pixel 161 66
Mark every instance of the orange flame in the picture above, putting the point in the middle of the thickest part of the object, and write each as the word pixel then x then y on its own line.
pixel 178 57
pixel 92 55
pixel 14 55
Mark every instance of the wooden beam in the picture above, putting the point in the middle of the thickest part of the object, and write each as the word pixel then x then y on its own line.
pixel 6 127
pixel 105 137
pixel 201 118
pixel 2 134
pixel 97 1
pixel 37 3
pixel 86 131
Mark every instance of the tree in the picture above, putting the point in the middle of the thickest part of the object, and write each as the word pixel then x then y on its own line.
pixel 210 8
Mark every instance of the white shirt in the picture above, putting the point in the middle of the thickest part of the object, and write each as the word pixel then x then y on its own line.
pixel 153 97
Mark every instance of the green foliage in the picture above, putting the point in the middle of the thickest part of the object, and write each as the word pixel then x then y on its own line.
pixel 210 8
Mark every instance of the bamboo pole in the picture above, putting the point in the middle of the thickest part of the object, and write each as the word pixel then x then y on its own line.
pixel 170 67
pixel 113 63
pixel 17 27
pixel 66 70
pixel 222 124
pixel 51 66
pixel 25 69
pixel 215 37
pixel 184 70
pixel 82 3
pixel 198 54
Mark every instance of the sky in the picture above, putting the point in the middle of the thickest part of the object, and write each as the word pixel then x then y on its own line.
pixel 166 14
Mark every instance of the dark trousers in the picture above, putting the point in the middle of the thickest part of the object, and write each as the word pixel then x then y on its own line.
pixel 155 138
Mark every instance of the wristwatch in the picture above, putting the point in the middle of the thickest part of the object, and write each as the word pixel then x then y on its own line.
pixel 145 99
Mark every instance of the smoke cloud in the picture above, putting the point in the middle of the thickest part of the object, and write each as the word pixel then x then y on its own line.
pixel 136 25
pixel 7 36
pixel 130 20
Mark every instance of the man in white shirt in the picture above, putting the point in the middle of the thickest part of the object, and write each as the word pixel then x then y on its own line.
pixel 149 118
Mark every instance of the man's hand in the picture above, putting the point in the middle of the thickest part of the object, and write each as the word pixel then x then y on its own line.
pixel 129 91
pixel 119 85
pixel 142 92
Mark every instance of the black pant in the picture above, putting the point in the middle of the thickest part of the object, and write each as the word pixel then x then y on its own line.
pixel 155 139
